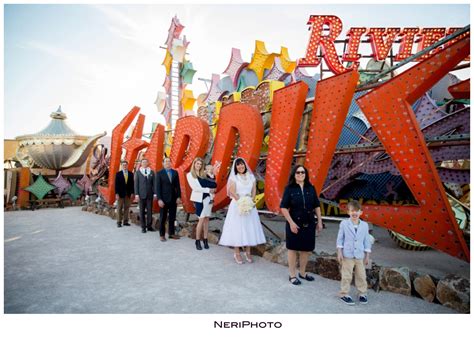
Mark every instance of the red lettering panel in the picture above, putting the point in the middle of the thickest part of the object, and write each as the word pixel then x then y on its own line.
pixel 429 36
pixel 381 41
pixel 191 139
pixel 461 90
pixel 452 30
pixel 388 109
pixel 135 143
pixel 240 120
pixel 154 154
pixel 354 35
pixel 406 46
pixel 287 111
pixel 326 41
pixel 108 193
pixel 331 104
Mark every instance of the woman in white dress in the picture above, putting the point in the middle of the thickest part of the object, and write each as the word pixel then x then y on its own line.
pixel 242 228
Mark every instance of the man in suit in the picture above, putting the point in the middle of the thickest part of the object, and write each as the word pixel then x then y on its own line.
pixel 169 196
pixel 123 193
pixel 144 184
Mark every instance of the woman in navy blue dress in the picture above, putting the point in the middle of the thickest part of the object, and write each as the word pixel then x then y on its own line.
pixel 299 205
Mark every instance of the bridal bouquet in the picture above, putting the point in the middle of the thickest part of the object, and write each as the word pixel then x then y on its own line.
pixel 245 205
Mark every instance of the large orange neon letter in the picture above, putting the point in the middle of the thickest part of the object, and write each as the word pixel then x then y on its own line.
pixel 191 139
pixel 287 111
pixel 108 193
pixel 326 41
pixel 389 111
pixel 154 154
pixel 135 143
pixel 242 120
pixel 331 103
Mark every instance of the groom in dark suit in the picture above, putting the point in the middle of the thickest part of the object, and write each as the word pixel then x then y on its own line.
pixel 123 193
pixel 144 185
pixel 169 196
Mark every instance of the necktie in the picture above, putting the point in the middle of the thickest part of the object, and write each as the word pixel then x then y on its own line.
pixel 169 174
pixel 125 174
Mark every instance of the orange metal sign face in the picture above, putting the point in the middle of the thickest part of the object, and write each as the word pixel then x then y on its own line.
pixel 108 193
pixel 240 120
pixel 287 111
pixel 389 111
pixel 461 90
pixel 135 143
pixel 331 103
pixel 191 139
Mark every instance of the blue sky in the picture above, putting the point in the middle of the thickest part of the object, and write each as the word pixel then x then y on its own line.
pixel 99 61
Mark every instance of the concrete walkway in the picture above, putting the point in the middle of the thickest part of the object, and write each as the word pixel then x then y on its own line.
pixel 69 261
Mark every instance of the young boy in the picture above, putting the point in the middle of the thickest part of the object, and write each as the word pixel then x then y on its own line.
pixel 211 177
pixel 353 249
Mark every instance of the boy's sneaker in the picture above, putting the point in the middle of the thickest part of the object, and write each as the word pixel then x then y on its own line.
pixel 347 300
pixel 363 299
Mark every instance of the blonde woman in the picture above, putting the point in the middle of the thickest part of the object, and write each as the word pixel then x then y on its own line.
pixel 200 195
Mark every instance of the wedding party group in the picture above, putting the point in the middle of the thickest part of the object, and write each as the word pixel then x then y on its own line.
pixel 242 228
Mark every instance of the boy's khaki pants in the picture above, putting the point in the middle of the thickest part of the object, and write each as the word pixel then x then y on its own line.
pixel 346 276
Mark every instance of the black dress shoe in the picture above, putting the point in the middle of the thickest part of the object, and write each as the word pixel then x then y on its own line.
pixel 143 230
pixel 150 229
pixel 119 224
pixel 126 224
pixel 294 281
pixel 306 277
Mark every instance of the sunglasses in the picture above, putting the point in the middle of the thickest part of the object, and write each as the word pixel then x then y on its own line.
pixel 300 172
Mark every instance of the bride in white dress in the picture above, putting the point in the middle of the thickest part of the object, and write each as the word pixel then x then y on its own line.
pixel 241 229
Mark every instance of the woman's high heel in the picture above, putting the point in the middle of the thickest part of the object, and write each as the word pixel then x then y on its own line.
pixel 240 262
pixel 248 258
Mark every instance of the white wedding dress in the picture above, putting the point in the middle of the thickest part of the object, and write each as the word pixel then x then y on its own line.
pixel 242 230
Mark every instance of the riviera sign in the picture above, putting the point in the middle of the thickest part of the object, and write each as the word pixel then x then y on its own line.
pixel 381 41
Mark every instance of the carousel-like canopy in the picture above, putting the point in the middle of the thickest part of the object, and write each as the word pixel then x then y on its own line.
pixel 57 146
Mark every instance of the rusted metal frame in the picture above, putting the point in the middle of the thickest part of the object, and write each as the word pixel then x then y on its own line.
pixel 349 173
pixel 459 202
pixel 378 149
pixel 452 140
pixel 356 133
pixel 446 103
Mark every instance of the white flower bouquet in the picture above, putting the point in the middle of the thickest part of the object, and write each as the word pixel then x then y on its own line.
pixel 245 205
